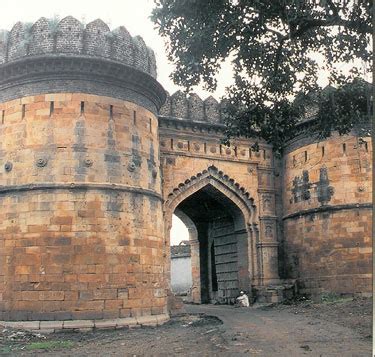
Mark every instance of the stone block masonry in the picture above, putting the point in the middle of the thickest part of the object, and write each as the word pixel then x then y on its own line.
pixel 327 195
pixel 81 221
pixel 93 166
pixel 70 36
pixel 87 325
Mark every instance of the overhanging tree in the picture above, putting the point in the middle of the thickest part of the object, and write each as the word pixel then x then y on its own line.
pixel 277 49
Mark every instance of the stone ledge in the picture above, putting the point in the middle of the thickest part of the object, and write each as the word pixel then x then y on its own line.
pixel 77 324
pixel 328 208
pixel 79 186
pixel 86 325
pixel 79 74
pixel 147 320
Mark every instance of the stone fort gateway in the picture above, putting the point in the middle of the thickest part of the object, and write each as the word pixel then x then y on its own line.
pixel 95 158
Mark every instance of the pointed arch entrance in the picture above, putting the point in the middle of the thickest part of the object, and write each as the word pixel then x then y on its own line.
pixel 219 215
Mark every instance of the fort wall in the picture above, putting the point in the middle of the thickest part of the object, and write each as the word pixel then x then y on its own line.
pixel 93 165
pixel 327 214
pixel 188 149
pixel 81 223
pixel 81 218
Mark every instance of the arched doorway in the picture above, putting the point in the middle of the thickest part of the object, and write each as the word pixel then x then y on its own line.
pixel 219 219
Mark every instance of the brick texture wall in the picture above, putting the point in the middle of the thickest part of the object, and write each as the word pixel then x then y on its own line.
pixel 327 195
pixel 81 221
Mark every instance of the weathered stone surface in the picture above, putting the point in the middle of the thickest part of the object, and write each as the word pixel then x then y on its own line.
pixel 76 228
pixel 87 195
pixel 78 324
pixel 70 36
pixel 327 216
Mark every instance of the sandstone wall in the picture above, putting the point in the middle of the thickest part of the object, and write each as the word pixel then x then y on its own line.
pixel 189 148
pixel 81 221
pixel 327 213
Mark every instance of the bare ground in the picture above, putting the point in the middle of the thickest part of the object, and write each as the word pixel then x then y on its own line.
pixel 337 328
pixel 355 314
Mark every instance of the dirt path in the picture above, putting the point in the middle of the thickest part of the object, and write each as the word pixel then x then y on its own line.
pixel 339 329
pixel 275 332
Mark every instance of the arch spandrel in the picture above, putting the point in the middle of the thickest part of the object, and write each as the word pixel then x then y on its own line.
pixel 212 176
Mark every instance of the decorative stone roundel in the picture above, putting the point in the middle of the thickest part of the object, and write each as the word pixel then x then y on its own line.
pixel 41 162
pixel 196 147
pixel 88 162
pixel 154 173
pixel 269 231
pixel 213 149
pixel 131 166
pixel 180 145
pixel 228 151
pixel 8 166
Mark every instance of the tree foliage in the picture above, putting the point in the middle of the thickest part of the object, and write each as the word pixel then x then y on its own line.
pixel 277 49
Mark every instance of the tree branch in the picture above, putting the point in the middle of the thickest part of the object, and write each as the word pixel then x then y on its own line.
pixel 279 35
pixel 298 28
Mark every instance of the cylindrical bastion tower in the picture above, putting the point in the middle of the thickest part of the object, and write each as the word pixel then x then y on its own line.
pixel 327 212
pixel 81 228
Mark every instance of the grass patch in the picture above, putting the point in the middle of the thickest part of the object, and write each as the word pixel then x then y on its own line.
pixel 49 345
pixel 6 349
pixel 331 298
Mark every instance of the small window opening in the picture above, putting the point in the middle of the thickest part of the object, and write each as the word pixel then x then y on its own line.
pixel 3 117
pixel 366 146
pixel 23 110
pixel 82 107
pixel 305 156
pixel 150 121
pixel 111 112
pixel 322 150
pixel 344 148
pixel 134 117
pixel 51 108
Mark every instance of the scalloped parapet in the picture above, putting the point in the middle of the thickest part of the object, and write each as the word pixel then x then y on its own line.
pixel 70 36
pixel 192 107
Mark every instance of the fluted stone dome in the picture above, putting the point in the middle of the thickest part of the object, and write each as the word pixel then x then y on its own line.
pixel 71 37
